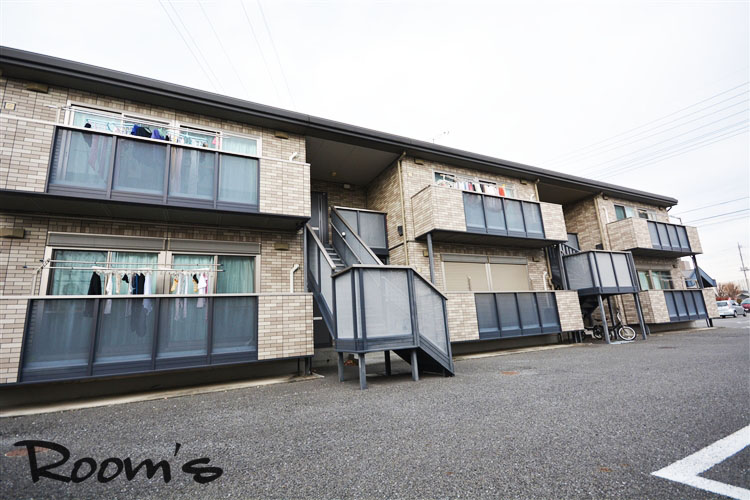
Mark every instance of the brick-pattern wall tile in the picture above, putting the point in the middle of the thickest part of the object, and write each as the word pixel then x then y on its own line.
pixel 438 207
pixel 285 327
pixel 709 297
pixel 694 239
pixel 627 234
pixel 554 222
pixel 580 218
pixel 462 316
pixel 569 309
pixel 12 318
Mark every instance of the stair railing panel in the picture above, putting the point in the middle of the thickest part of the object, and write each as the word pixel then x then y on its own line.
pixel 346 252
pixel 320 270
pixel 370 225
pixel 355 243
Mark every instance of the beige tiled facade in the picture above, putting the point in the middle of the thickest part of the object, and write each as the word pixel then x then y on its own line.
pixel 569 310
pixel 25 145
pixel 462 316
pixel 12 318
pixel 285 326
pixel 438 207
pixel 627 234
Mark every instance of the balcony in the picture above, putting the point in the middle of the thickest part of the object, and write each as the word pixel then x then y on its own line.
pixel 73 337
pixel 107 174
pixel 476 316
pixel 673 306
pixel 655 239
pixel 455 216
pixel 600 273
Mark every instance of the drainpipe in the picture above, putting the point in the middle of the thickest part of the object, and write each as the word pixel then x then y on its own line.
pixel 403 206
pixel 291 277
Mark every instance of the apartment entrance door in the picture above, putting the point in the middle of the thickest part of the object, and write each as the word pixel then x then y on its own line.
pixel 319 215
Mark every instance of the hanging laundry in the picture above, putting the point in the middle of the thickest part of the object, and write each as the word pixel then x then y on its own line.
pixel 141 282
pixel 95 285
pixel 202 289
pixel 108 291
pixel 156 135
pixel 147 303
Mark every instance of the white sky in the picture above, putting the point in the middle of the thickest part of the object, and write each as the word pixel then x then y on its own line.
pixel 528 81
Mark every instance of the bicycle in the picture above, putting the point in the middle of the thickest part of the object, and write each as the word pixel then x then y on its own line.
pixel 623 331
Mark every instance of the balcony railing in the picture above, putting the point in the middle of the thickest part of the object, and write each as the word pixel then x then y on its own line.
pixel 95 164
pixel 653 238
pixel 457 216
pixel 82 337
pixel 503 216
pixel 516 314
pixel 599 272
pixel 685 305
pixel 369 225
pixel 670 237
pixel 389 307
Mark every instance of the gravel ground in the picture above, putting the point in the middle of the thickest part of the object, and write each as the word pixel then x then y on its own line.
pixel 588 421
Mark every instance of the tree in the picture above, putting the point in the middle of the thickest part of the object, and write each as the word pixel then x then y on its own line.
pixel 729 290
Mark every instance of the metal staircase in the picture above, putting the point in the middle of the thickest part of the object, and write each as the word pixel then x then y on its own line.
pixel 370 307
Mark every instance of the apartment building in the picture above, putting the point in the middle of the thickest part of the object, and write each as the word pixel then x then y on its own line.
pixel 148 229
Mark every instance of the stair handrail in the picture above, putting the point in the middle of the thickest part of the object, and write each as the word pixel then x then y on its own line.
pixel 320 245
pixel 355 234
pixel 388 267
pixel 566 249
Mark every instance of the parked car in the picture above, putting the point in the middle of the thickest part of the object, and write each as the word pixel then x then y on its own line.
pixel 730 308
pixel 745 304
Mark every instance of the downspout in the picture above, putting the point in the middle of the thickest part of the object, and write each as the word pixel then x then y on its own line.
pixel 403 206
pixel 291 277
pixel 605 241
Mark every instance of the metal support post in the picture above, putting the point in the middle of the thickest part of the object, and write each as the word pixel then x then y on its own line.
pixel 604 319
pixel 341 366
pixel 387 355
pixel 362 372
pixel 414 366
pixel 644 328
pixel 432 258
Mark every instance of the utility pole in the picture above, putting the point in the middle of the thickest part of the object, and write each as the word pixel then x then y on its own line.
pixel 744 269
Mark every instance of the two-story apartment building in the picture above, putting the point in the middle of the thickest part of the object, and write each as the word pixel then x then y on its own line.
pixel 150 229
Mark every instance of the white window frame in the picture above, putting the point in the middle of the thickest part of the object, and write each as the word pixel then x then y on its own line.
pixel 164 259
pixel 488 273
pixel 169 260
pixel 173 126
pixel 507 186
pixel 49 252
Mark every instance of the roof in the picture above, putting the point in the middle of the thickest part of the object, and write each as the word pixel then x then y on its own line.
pixel 65 73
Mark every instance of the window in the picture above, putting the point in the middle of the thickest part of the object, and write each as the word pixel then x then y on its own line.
pixel 466 277
pixel 485 274
pixel 475 184
pixel 509 277
pixel 155 128
pixel 234 274
pixel 655 280
pixel 625 212
pixel 73 270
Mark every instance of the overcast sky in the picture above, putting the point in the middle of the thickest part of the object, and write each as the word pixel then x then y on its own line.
pixel 649 95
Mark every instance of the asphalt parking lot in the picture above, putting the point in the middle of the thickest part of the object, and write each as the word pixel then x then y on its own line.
pixel 583 421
